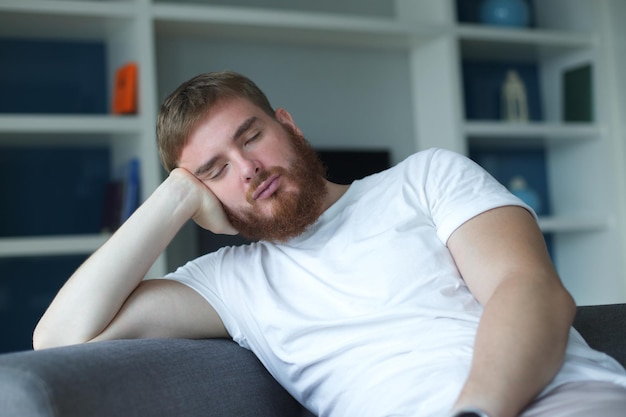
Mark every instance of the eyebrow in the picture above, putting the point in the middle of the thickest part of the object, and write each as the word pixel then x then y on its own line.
pixel 243 127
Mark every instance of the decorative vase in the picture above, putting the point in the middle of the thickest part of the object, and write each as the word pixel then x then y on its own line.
pixel 508 13
pixel 520 189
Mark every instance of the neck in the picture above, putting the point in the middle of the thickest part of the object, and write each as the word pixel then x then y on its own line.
pixel 335 191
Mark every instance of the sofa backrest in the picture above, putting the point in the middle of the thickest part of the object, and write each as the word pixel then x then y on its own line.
pixel 604 328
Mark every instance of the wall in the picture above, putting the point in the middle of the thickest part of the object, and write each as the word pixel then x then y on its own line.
pixel 317 86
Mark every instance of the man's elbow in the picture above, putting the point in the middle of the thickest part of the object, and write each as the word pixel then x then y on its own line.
pixel 45 338
pixel 41 339
pixel 563 307
pixel 570 306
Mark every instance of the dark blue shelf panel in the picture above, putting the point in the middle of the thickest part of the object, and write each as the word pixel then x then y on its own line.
pixel 27 286
pixel 482 85
pixel 50 191
pixel 53 77
pixel 505 164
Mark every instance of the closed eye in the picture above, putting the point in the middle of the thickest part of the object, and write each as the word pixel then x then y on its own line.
pixel 253 138
pixel 218 172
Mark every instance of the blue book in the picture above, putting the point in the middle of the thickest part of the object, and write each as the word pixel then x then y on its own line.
pixel 131 189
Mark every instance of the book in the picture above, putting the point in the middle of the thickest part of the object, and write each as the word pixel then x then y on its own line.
pixel 578 94
pixel 112 211
pixel 122 197
pixel 125 90
pixel 130 200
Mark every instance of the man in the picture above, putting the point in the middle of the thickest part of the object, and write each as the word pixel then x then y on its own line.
pixel 424 290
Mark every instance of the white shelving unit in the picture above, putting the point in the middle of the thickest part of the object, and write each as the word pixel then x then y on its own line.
pixel 292 26
pixel 389 78
pixel 124 27
pixel 583 183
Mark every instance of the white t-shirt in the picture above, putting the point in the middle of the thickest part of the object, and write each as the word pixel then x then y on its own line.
pixel 365 314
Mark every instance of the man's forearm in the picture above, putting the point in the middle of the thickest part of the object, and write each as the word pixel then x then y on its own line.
pixel 518 349
pixel 96 291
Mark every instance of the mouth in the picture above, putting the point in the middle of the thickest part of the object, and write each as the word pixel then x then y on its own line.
pixel 267 188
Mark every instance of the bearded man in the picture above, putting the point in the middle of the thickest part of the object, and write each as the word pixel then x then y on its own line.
pixel 423 290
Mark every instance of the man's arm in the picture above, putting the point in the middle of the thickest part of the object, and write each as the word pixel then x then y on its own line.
pixel 105 297
pixel 527 314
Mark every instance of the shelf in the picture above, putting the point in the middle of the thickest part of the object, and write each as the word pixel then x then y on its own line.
pixel 286 26
pixel 33 123
pixel 63 18
pixel 50 245
pixel 38 130
pixel 532 134
pixel 480 42
pixel 571 224
pixel 70 7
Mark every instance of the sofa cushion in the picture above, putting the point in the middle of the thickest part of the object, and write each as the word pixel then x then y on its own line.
pixel 157 377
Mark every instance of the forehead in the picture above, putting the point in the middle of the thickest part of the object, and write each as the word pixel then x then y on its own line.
pixel 226 116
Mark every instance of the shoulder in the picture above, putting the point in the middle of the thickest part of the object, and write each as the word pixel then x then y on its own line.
pixel 415 171
pixel 423 172
pixel 435 159
pixel 433 165
pixel 212 263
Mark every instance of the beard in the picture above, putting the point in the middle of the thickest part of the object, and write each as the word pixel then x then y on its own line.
pixel 291 212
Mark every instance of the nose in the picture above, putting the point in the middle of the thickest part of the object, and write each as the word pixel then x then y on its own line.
pixel 250 168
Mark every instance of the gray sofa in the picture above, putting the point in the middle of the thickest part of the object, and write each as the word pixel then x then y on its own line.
pixel 174 377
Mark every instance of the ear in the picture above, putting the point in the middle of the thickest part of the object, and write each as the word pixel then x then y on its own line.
pixel 284 117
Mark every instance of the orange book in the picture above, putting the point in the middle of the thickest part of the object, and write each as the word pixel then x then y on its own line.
pixel 125 90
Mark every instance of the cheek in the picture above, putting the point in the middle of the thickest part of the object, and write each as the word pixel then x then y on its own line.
pixel 229 193
pixel 276 153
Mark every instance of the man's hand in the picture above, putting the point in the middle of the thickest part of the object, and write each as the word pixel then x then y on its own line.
pixel 209 213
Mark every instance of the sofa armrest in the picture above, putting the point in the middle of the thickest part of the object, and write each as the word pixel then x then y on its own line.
pixel 151 377
pixel 604 327
pixel 166 377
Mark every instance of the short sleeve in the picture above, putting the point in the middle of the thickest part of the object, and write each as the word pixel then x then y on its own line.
pixel 457 189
